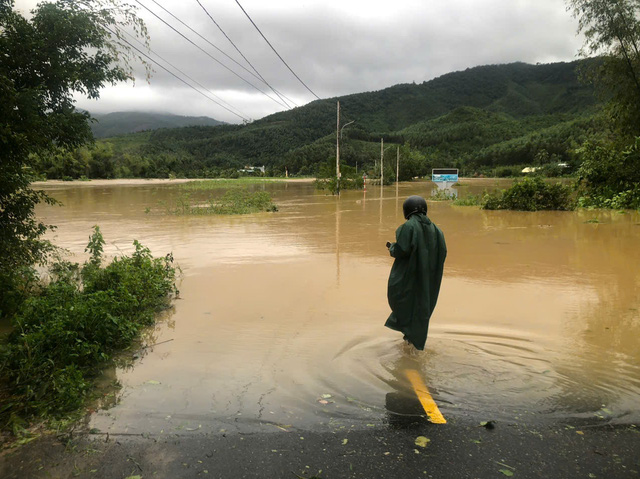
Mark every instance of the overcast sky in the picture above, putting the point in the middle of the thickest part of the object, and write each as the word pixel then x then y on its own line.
pixel 336 47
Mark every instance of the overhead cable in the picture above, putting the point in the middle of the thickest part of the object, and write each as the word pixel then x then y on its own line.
pixel 281 96
pixel 181 72
pixel 173 74
pixel 208 41
pixel 269 43
pixel 208 54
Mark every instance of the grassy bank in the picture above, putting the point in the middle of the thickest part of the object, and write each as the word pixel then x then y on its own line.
pixel 71 328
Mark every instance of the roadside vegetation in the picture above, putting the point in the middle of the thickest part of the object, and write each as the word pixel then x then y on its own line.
pixel 68 330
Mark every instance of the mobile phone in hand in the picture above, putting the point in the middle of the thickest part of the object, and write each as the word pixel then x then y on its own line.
pixel 388 244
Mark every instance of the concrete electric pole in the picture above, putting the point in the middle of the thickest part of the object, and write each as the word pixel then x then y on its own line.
pixel 381 162
pixel 338 150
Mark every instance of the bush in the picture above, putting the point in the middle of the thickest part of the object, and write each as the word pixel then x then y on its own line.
pixel 64 336
pixel 531 194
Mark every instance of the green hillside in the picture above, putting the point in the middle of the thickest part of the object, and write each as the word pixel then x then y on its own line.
pixel 475 119
pixel 123 122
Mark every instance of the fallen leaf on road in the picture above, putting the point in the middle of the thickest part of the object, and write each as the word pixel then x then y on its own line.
pixel 506 472
pixel 422 441
pixel 345 441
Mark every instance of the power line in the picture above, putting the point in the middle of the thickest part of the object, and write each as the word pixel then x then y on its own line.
pixel 208 54
pixel 281 96
pixel 173 74
pixel 181 72
pixel 269 43
pixel 208 41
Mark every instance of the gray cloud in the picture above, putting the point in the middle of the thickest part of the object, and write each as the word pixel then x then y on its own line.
pixel 337 48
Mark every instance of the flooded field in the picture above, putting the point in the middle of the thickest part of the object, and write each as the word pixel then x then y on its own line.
pixel 279 324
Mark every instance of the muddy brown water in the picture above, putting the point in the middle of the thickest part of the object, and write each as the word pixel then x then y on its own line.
pixel 537 318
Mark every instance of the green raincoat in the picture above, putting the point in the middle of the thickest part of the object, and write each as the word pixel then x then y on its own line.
pixel 414 282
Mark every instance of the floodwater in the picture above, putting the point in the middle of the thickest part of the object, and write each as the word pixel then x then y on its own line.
pixel 279 325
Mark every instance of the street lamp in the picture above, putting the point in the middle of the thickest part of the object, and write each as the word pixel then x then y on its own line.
pixel 338 138
pixel 343 127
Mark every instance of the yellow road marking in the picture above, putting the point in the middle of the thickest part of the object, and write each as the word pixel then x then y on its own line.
pixel 429 405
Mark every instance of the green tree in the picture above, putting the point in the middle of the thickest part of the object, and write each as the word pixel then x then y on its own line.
pixel 66 47
pixel 612 29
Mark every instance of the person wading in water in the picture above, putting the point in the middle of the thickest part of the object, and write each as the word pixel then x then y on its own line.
pixel 416 274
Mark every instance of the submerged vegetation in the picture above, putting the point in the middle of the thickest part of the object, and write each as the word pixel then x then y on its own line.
pixel 442 195
pixel 531 194
pixel 233 202
pixel 206 185
pixel 334 186
pixel 470 200
pixel 327 180
pixel 69 329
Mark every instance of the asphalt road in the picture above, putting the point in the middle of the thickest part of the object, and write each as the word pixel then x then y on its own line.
pixel 458 449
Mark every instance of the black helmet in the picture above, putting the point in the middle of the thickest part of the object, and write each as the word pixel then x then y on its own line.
pixel 414 204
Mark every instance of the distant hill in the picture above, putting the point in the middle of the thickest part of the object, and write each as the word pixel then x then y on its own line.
pixel 481 117
pixel 123 122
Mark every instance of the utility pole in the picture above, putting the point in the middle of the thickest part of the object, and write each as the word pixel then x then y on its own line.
pixel 338 151
pixel 398 166
pixel 381 162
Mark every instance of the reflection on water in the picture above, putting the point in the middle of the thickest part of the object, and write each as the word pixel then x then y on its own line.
pixel 280 321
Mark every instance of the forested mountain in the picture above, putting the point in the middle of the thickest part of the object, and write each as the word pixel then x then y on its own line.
pixel 480 118
pixel 123 122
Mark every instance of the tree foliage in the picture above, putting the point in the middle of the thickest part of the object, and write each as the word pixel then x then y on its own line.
pixel 612 29
pixel 66 47
pixel 609 176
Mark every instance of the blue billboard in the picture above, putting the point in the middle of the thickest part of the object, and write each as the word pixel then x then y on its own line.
pixel 444 174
